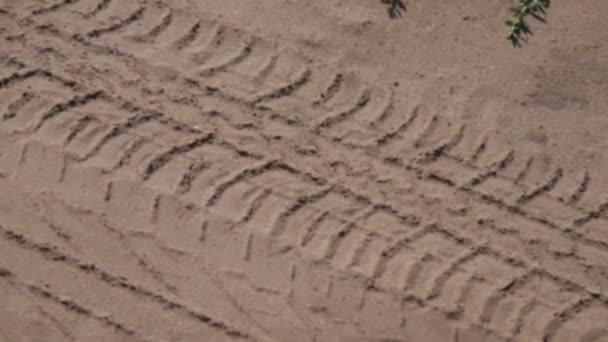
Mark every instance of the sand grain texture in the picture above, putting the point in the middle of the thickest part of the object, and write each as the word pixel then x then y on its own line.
pixel 301 171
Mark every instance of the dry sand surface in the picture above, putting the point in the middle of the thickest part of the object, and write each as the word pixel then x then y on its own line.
pixel 282 170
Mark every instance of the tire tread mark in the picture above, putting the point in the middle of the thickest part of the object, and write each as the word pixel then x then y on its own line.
pixel 592 215
pixel 120 129
pixel 524 171
pixel 570 233
pixel 216 37
pixel 543 188
pixel 510 286
pixel 176 125
pixel 64 330
pixel 376 258
pixel 267 67
pixel 55 255
pixel 360 250
pixel 81 124
pixel 190 175
pixel 76 101
pixel 408 219
pixel 156 31
pixel 240 56
pixel 501 204
pixel 331 90
pixel 523 313
pixel 63 235
pixel 387 254
pixel 416 268
pixel 21 76
pixel 137 15
pixel 102 5
pixel 331 120
pixel 464 294
pixel 189 37
pixel 16 105
pixel 491 171
pixel 71 305
pixel 240 175
pixel 579 191
pixel 335 240
pixel 281 223
pixel 256 204
pixel 387 109
pixel 284 90
pixel 564 315
pixel 125 159
pixel 440 281
pixel 481 148
pixel 161 160
pixel 313 228
pixel 427 131
pixel 153 272
pixel 436 152
pixel 402 128
pixel 55 7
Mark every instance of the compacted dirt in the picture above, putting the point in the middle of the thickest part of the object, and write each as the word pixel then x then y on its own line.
pixel 286 170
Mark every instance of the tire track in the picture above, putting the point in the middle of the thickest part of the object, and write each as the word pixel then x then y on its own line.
pixel 390 136
pixel 55 256
pixel 189 176
pixel 242 53
pixel 345 115
pixel 284 90
pixel 263 168
pixel 474 158
pixel 331 90
pixel 135 16
pixel 157 30
pixel 100 7
pixel 566 313
pixel 482 180
pixel 71 305
pixel 580 190
pixel 189 37
pixel 26 75
pixel 76 101
pixel 549 185
pixel 56 7
pixel 164 158
pixel 16 105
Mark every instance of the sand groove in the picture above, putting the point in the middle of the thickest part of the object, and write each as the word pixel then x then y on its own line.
pixel 197 175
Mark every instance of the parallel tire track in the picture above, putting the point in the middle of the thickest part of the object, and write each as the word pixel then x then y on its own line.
pixel 422 280
pixel 430 264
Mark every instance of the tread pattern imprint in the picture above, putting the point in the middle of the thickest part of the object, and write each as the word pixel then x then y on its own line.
pixel 173 178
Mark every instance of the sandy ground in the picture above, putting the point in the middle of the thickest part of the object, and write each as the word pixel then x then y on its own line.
pixel 287 170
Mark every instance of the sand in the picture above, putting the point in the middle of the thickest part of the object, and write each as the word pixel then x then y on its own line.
pixel 287 170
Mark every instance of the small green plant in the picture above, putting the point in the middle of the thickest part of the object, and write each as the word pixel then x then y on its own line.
pixel 519 27
pixel 396 8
